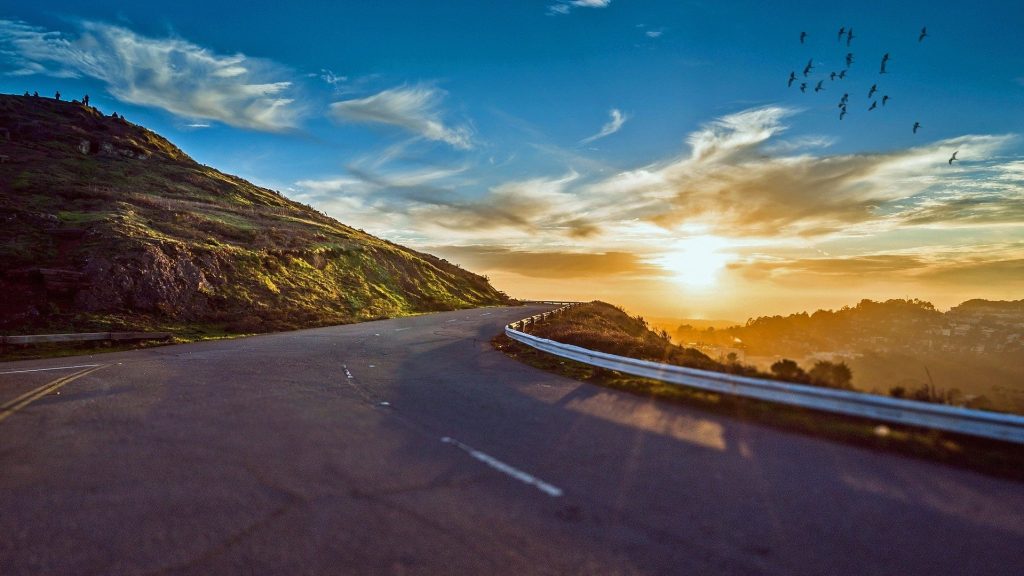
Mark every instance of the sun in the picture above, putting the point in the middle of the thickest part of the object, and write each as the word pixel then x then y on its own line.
pixel 696 261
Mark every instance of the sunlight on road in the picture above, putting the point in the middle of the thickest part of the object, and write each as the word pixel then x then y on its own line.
pixel 651 418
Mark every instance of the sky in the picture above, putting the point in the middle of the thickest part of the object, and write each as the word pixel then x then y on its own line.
pixel 652 154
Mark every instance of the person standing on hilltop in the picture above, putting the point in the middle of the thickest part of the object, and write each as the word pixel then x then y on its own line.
pixel 85 99
pixel 57 96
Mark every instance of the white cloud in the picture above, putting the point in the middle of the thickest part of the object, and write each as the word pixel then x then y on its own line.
pixel 614 124
pixel 169 73
pixel 654 33
pixel 566 6
pixel 414 109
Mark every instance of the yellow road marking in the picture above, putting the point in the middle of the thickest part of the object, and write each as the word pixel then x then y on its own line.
pixel 12 406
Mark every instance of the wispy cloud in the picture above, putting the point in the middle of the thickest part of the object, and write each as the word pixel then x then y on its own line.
pixel 739 179
pixel 549 264
pixel 415 109
pixel 169 73
pixel 654 33
pixel 565 6
pixel 614 124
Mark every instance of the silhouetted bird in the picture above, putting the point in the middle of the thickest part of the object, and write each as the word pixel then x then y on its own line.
pixel 792 77
pixel 819 87
pixel 842 74
pixel 802 36
pixel 849 59
pixel 809 67
pixel 832 76
pixel 953 158
pixel 884 60
pixel 873 106
pixel 803 86
pixel 874 88
pixel 842 113
pixel 842 30
pixel 924 32
pixel 885 99
pixel 916 126
pixel 849 36
pixel 844 100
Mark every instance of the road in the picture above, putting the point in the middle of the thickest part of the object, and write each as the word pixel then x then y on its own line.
pixel 410 446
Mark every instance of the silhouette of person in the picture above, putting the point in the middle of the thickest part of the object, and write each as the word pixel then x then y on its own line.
pixel 85 99
pixel 57 96
pixel 35 94
pixel 26 92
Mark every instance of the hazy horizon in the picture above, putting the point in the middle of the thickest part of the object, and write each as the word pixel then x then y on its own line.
pixel 650 155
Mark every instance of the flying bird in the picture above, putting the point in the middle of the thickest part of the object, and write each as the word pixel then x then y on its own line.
pixel 885 99
pixel 842 113
pixel 874 88
pixel 873 106
pixel 792 77
pixel 849 59
pixel 832 76
pixel 849 36
pixel 843 100
pixel 924 32
pixel 884 60
pixel 842 30
pixel 842 74
pixel 802 36
pixel 953 157
pixel 803 86
pixel 809 67
pixel 916 126
pixel 819 87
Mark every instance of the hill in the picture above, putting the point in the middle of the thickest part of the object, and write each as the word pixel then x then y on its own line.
pixel 106 225
pixel 974 352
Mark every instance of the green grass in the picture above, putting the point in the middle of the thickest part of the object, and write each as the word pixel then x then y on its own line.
pixel 989 456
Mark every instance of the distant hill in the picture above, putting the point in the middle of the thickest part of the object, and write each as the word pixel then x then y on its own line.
pixel 976 348
pixel 106 225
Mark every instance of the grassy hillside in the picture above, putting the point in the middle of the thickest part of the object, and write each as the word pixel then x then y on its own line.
pixel 601 326
pixel 106 225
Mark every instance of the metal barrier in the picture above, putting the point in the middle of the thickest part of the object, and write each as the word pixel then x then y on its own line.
pixel 83 337
pixel 1007 427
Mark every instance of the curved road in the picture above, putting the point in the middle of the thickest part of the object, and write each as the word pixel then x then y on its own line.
pixel 410 446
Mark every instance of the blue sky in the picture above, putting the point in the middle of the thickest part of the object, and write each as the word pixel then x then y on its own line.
pixel 591 145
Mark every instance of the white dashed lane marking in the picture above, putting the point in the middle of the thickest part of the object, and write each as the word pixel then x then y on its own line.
pixel 500 466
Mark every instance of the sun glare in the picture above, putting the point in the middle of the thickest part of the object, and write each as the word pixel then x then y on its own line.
pixel 696 261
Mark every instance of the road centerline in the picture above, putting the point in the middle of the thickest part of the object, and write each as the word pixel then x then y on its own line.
pixel 31 396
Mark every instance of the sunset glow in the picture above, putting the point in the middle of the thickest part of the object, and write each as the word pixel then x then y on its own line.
pixel 651 154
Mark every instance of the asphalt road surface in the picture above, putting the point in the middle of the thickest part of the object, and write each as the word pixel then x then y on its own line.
pixel 410 446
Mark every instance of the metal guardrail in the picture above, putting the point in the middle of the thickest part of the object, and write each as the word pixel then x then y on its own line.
pixel 83 337
pixel 1007 427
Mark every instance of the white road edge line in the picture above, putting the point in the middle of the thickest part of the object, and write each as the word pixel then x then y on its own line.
pixel 500 466
pixel 45 369
pixel 347 373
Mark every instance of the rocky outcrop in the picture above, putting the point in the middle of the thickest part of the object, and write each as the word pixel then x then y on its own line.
pixel 168 280
pixel 109 150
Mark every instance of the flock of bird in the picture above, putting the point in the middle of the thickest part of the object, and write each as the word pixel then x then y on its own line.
pixel 847 35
